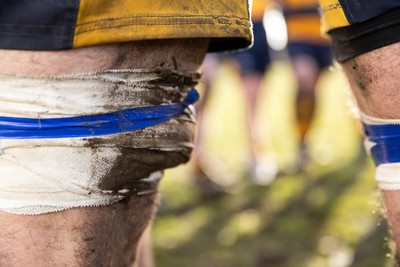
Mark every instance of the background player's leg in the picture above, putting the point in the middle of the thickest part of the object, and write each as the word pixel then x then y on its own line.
pixel 375 82
pixel 306 71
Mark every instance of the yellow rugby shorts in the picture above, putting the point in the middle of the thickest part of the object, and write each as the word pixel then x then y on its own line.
pixel 64 24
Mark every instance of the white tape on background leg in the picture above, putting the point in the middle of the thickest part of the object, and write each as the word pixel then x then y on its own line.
pixel 46 175
pixel 388 176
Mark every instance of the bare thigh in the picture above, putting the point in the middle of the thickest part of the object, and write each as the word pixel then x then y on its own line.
pixel 375 81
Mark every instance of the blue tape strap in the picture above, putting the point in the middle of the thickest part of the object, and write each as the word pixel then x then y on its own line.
pixel 387 142
pixel 93 125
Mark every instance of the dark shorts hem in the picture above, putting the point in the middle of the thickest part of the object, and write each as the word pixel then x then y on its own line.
pixel 357 39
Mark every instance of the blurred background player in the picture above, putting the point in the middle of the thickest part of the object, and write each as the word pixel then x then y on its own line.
pixel 309 54
pixel 251 66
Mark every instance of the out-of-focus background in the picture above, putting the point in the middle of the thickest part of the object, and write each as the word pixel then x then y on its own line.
pixel 328 216
pixel 317 209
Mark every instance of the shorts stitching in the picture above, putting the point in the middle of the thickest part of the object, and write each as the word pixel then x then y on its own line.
pixel 331 7
pixel 161 16
pixel 144 24
pixel 209 22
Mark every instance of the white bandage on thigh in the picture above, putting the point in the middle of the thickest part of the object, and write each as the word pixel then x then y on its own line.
pixel 382 141
pixel 48 167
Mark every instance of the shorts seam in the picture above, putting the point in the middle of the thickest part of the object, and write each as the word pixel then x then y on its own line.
pixel 74 19
pixel 332 7
pixel 132 25
pixel 207 20
pixel 347 10
pixel 161 16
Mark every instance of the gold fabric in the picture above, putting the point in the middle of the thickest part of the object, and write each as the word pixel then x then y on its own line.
pixel 304 27
pixel 110 21
pixel 333 15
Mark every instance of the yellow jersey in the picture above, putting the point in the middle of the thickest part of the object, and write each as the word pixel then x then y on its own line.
pixel 303 21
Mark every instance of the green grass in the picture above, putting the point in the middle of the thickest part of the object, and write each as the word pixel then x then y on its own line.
pixel 329 216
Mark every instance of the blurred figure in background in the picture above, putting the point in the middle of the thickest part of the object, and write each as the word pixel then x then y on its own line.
pixel 251 66
pixel 309 54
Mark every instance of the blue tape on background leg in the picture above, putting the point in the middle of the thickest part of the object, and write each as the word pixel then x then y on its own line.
pixel 385 142
pixel 94 125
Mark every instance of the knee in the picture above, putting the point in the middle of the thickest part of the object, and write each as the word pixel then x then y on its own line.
pixel 61 161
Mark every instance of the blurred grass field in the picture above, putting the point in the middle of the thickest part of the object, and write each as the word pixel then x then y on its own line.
pixel 329 216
